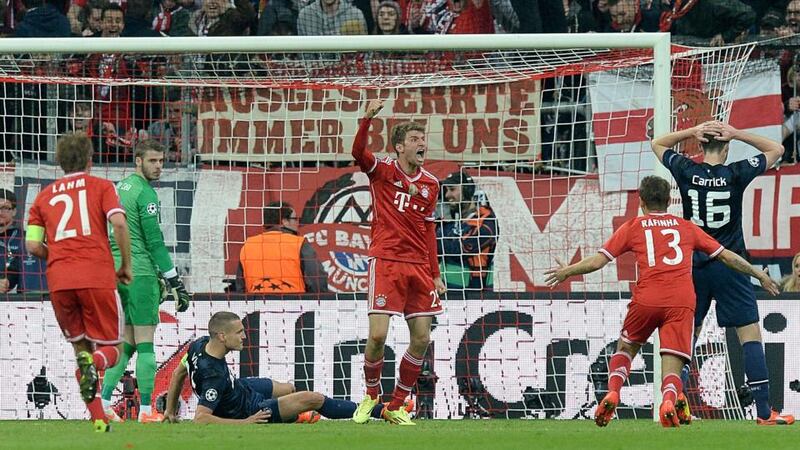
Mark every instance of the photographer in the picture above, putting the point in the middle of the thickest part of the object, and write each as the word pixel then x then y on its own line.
pixel 467 235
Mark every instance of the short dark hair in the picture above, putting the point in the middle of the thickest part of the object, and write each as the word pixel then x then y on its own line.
pixel 147 145
pixel 713 145
pixel 655 193
pixel 111 7
pixel 73 152
pixel 400 130
pixel 5 194
pixel 219 321
pixel 276 212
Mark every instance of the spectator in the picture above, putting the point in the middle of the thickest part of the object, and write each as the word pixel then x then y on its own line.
pixel 772 25
pixel 580 18
pixel 791 282
pixel 467 236
pixel 168 132
pixel 235 21
pixel 278 260
pixel 720 21
pixel 539 16
pixel 791 124
pixel 77 19
pixel 330 17
pixel 204 18
pixel 22 271
pixel 634 15
pixel 42 19
pixel 388 19
pixel 172 19
pixel 94 18
pixel 451 17
pixel 792 17
pixel 137 20
pixel 278 19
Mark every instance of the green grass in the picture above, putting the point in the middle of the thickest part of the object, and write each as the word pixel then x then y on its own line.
pixel 427 435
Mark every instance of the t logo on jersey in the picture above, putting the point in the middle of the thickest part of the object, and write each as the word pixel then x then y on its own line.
pixel 402 200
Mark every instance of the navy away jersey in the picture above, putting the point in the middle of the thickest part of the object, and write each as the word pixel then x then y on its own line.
pixel 712 196
pixel 214 384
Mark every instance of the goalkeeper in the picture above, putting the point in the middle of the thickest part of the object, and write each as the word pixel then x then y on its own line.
pixel 141 298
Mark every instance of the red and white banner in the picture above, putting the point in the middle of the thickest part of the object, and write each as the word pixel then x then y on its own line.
pixel 491 122
pixel 207 215
pixel 623 112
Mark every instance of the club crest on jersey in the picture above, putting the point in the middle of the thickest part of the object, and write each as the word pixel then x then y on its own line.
pixel 380 301
pixel 425 192
pixel 152 209
pixel 753 161
pixel 211 395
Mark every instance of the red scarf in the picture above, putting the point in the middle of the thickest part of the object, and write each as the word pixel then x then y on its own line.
pixel 679 9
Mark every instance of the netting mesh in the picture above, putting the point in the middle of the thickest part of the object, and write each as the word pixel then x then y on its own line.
pixel 552 141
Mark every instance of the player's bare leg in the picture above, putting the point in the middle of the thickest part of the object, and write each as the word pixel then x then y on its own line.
pixel 618 370
pixel 410 366
pixel 671 385
pixel 373 365
pixel 280 389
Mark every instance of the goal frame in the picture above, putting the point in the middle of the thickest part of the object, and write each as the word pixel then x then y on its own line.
pixel 658 42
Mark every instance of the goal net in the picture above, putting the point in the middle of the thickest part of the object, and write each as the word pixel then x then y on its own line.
pixel 546 145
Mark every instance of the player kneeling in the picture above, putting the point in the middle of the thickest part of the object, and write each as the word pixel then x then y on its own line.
pixel 663 297
pixel 244 400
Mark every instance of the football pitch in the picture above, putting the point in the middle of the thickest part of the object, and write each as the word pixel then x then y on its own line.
pixel 438 434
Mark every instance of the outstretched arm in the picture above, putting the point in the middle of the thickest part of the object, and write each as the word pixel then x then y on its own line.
pixel 586 265
pixel 739 264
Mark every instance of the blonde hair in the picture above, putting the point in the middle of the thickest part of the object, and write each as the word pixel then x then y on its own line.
pixel 791 283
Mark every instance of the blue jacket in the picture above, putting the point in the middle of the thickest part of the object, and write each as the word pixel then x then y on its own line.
pixel 24 271
pixel 43 21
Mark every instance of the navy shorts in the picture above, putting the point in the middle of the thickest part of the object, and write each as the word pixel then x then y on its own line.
pixel 261 397
pixel 733 291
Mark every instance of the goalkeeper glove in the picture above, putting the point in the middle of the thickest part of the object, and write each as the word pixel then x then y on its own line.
pixel 177 291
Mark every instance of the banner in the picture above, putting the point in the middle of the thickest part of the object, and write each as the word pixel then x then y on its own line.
pixel 622 114
pixel 491 122
pixel 514 358
pixel 208 214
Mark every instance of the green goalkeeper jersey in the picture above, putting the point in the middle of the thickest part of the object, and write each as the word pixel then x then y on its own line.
pixel 142 208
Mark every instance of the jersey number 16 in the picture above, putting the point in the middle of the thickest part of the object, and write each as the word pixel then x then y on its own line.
pixel 713 212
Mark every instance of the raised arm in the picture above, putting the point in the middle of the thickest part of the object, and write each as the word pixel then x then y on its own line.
pixel 665 142
pixel 365 159
pixel 772 150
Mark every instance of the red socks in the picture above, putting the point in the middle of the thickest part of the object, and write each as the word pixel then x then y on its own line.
pixel 618 369
pixel 670 386
pixel 95 407
pixel 372 376
pixel 410 368
pixel 105 357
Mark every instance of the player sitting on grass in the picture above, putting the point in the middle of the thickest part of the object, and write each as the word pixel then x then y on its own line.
pixel 663 297
pixel 222 398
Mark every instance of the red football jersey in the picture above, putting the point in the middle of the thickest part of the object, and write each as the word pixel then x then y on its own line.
pixel 663 245
pixel 74 212
pixel 403 207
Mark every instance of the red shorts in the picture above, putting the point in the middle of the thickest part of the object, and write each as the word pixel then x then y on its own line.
pixel 675 328
pixel 92 314
pixel 397 287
